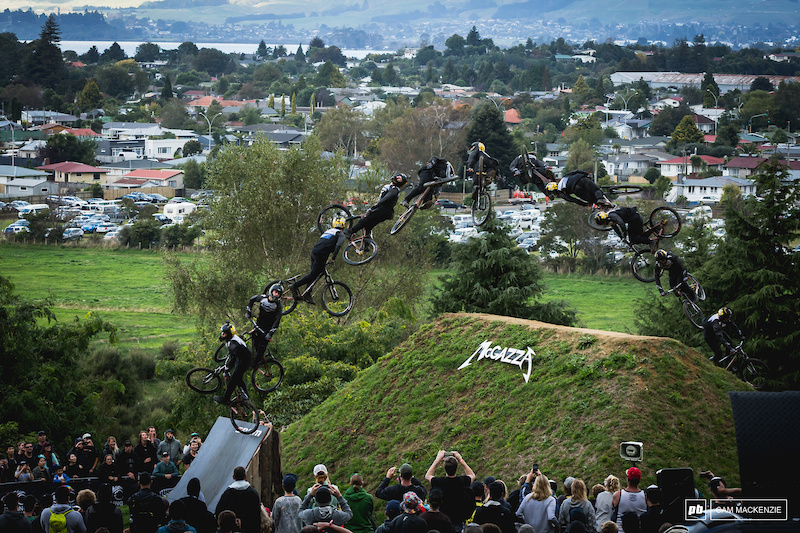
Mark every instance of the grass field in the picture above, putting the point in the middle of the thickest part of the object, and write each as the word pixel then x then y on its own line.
pixel 604 302
pixel 125 287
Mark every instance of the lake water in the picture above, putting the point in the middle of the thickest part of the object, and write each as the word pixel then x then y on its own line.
pixel 81 47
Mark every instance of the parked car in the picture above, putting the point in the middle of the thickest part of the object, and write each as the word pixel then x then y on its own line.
pixel 19 204
pixel 526 235
pixel 72 234
pixel 157 198
pixel 178 200
pixel 201 194
pixel 444 203
pixel 111 235
pixel 135 196
pixel 529 244
pixel 105 227
pixel 11 229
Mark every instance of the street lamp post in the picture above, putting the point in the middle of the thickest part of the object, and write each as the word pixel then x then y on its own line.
pixel 628 98
pixel 716 106
pixel 750 123
pixel 210 122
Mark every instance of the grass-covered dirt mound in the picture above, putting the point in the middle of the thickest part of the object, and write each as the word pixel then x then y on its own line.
pixel 588 391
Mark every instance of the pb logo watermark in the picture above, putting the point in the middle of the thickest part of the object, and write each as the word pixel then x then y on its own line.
pixel 694 509
pixel 737 509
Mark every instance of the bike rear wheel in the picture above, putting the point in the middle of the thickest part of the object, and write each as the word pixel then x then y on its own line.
pixel 668 218
pixel 755 372
pixel 623 189
pixel 267 375
pixel 326 216
pixel 481 208
pixel 592 221
pixel 337 298
pixel 244 415
pixel 694 313
pixel 403 220
pixel 696 287
pixel 360 251
pixel 203 380
pixel 643 266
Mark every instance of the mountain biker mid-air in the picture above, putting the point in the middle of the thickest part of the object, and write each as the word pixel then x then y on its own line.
pixel 240 356
pixel 270 311
pixel 383 209
pixel 517 167
pixel 678 276
pixel 715 334
pixel 626 222
pixel 578 188
pixel 329 243
pixel 475 152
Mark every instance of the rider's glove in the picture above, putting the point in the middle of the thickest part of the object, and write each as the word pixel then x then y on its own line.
pixel 663 293
pixel 729 348
pixel 268 337
pixel 248 316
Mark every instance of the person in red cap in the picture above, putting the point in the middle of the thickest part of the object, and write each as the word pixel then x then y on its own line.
pixel 630 499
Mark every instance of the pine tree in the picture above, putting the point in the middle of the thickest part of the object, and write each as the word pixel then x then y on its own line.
pixel 294 105
pixel 166 92
pixel 262 51
pixel 686 132
pixel 271 101
pixel 491 275
pixel 283 105
pixel 90 96
pixel 299 56
pixel 580 91
pixel 488 126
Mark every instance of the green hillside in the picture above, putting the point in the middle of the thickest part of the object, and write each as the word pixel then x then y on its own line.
pixel 588 391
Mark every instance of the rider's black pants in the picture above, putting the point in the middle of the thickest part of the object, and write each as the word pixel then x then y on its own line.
pixel 237 376
pixel 317 267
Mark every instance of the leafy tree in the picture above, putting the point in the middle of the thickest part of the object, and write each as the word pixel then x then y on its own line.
pixel 179 235
pixel 663 185
pixel 753 271
pixel 147 52
pixel 174 115
pixel 90 96
pixel 581 157
pixel 489 274
pixel 342 128
pixel 194 174
pixel 214 62
pixel 455 45
pixel 762 84
pixel 144 233
pixel 580 91
pixel 67 147
pixel 113 53
pixel 166 92
pixel 779 136
pixel 686 132
pixel 329 76
pixel 652 174
pixel 38 356
pixel 191 148
pixel 667 119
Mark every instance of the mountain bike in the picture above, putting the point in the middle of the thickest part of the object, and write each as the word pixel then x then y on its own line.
pixel 267 372
pixel 481 201
pixel 337 298
pixel 244 415
pixel 691 309
pixel 749 369
pixel 361 248
pixel 424 200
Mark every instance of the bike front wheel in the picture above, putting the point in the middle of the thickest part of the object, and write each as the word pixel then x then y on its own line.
pixel 755 373
pixel 244 415
pixel 267 375
pixel 221 354
pixel 668 219
pixel 337 298
pixel 623 189
pixel 203 380
pixel 643 266
pixel 694 313
pixel 360 251
pixel 481 208
pixel 326 216
pixel 592 221
pixel 403 220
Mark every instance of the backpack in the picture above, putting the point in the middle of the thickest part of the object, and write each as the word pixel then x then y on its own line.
pixel 58 521
pixel 438 166
pixel 576 514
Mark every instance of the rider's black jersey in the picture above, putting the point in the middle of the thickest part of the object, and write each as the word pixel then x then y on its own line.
pixel 329 242
pixel 239 350
pixel 622 217
pixel 388 198
pixel 674 266
pixel 718 327
pixel 269 313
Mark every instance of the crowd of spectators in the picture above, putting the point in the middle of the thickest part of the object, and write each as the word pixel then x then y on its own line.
pixel 457 502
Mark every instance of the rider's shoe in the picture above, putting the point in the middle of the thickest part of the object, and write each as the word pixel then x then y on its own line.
pixel 220 399
pixel 309 299
pixel 368 235
pixel 295 295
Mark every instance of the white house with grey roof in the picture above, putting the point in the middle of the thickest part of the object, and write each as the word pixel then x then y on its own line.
pixel 701 190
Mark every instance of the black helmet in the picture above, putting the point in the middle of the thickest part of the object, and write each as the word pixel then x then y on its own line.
pixel 227 331
pixel 275 287
pixel 725 314
pixel 400 179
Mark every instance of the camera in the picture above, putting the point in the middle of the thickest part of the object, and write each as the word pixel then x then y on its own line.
pixel 631 451
pixel 448 454
pixel 535 467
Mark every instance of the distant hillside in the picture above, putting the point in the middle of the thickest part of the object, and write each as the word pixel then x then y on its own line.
pixel 588 391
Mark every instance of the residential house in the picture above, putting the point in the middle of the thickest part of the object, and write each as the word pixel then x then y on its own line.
pixel 27 187
pixel 744 167
pixel 118 169
pixel 679 80
pixel 638 145
pixel 708 189
pixel 115 150
pixel 682 166
pixel 512 118
pixel 629 128
pixel 83 133
pixel 23 177
pixel 628 167
pixel 703 123
pixel 71 172
pixel 37 117
pixel 30 150
pixel 156 178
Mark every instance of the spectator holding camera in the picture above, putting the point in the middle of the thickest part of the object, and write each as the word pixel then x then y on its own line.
pixel 405 482
pixel 538 508
pixel 457 500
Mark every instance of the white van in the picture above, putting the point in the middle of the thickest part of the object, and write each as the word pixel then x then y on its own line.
pixel 33 209
pixel 460 220
pixel 183 208
pixel 100 206
pixel 699 212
